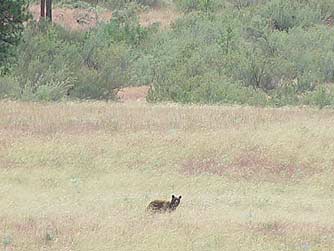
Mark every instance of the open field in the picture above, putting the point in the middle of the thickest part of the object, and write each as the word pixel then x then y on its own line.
pixel 78 176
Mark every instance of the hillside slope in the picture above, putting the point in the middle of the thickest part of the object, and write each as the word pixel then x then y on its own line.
pixel 83 19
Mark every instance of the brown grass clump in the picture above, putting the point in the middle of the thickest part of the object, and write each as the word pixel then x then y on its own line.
pixel 74 19
pixel 250 164
pixel 133 94
pixel 276 228
pixel 164 16
pixel 309 235
pixel 82 19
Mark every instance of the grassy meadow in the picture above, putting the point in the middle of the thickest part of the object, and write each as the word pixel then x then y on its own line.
pixel 78 176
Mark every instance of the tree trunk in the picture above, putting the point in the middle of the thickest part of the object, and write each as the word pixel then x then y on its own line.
pixel 42 8
pixel 49 9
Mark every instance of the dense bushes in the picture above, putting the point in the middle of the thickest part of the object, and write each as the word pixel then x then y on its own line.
pixel 257 52
pixel 12 16
pixel 260 52
pixel 55 63
pixel 198 5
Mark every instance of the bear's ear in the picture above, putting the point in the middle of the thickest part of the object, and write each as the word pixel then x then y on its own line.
pixel 180 197
pixel 173 196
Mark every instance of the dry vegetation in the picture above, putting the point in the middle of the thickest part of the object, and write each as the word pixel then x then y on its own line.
pixel 164 16
pixel 74 19
pixel 78 176
pixel 134 93
pixel 83 19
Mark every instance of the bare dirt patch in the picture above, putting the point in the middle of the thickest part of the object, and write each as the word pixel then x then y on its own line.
pixel 165 17
pixel 249 165
pixel 83 19
pixel 73 19
pixel 133 93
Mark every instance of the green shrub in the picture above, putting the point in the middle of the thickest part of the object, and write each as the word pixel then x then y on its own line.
pixel 321 97
pixel 124 26
pixel 257 52
pixel 285 94
pixel 52 91
pixel 326 7
pixel 240 4
pixel 45 58
pixel 196 67
pixel 309 53
pixel 55 63
pixel 197 5
pixel 150 3
pixel 202 55
pixel 9 87
pixel 13 14
pixel 283 15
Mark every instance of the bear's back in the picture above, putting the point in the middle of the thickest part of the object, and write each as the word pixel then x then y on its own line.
pixel 159 205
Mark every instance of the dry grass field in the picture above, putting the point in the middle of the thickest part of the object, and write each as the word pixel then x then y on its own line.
pixel 78 176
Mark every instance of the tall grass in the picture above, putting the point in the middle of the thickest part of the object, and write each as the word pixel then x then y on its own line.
pixel 78 176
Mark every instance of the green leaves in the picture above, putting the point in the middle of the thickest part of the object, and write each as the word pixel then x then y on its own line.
pixel 12 16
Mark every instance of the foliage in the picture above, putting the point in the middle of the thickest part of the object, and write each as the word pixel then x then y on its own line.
pixel 197 5
pixel 254 52
pixel 45 61
pixel 9 87
pixel 55 63
pixel 124 26
pixel 321 97
pixel 12 16
pixel 221 53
